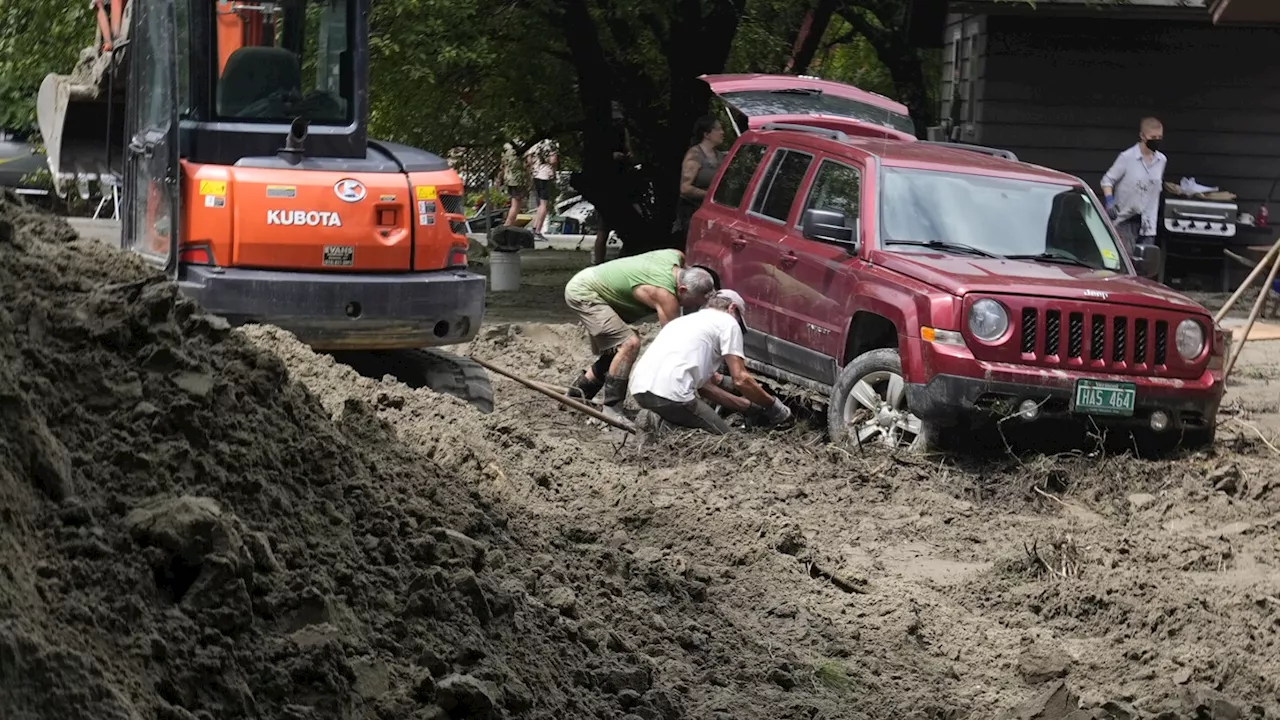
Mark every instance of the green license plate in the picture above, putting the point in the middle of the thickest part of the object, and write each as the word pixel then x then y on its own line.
pixel 1104 398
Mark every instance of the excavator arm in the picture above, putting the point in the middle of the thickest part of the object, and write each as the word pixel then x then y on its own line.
pixel 81 115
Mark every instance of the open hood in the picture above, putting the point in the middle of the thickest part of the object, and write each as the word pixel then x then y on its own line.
pixel 803 100
pixel 960 275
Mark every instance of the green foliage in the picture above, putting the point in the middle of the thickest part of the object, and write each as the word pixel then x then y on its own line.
pixel 465 73
pixel 37 37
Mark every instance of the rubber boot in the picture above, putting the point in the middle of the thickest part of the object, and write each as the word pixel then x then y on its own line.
pixel 583 388
pixel 615 391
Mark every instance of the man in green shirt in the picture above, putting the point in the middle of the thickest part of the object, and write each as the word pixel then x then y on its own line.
pixel 609 296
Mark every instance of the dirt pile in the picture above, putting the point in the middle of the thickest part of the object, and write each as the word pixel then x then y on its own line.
pixel 185 533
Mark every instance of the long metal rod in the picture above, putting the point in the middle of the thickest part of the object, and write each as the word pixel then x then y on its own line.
pixel 1264 262
pixel 1253 315
pixel 563 400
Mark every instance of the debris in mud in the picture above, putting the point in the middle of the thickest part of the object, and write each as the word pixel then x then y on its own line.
pixel 1061 557
pixel 1058 702
pixel 1039 664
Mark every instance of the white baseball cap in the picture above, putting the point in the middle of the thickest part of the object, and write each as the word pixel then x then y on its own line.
pixel 737 302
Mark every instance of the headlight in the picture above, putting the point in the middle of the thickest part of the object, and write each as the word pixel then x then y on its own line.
pixel 988 320
pixel 1190 339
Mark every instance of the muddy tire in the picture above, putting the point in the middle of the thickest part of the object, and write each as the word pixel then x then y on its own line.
pixel 430 368
pixel 869 406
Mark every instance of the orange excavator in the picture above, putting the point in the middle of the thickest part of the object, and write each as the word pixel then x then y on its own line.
pixel 237 131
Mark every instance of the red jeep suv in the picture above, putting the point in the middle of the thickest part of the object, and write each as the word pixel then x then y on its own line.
pixel 923 285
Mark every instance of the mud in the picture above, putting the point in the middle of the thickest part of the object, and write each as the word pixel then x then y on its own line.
pixel 197 522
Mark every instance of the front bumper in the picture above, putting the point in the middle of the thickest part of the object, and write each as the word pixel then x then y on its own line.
pixel 961 386
pixel 949 399
pixel 331 311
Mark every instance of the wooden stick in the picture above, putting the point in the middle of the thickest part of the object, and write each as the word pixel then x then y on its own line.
pixel 1253 315
pixel 1231 301
pixel 562 399
pixel 1242 260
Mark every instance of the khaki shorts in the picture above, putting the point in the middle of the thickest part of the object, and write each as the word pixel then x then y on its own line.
pixel 603 324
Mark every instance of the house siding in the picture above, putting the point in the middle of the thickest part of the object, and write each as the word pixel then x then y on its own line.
pixel 964 46
pixel 1068 93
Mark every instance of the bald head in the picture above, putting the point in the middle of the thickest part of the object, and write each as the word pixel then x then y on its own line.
pixel 1150 125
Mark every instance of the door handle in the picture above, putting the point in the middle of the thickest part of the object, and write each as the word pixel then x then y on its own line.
pixel 788 259
pixel 739 241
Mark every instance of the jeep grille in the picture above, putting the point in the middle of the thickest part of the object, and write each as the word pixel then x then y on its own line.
pixel 1119 342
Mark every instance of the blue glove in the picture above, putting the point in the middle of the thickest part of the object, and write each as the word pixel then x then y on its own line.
pixel 1110 201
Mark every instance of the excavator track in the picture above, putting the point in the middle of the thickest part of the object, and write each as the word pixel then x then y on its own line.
pixel 429 368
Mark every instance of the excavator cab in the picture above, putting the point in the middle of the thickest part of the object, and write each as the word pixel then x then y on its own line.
pixel 237 131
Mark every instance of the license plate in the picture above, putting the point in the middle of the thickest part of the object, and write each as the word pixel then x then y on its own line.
pixel 1104 398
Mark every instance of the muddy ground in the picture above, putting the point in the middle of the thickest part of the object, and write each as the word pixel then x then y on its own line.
pixel 204 523
pixel 951 570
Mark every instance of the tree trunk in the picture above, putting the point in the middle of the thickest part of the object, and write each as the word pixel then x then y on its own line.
pixel 812 31
pixel 697 45
pixel 901 59
pixel 599 183
pixel 906 69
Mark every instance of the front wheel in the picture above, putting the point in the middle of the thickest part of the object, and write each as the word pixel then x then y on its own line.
pixel 869 406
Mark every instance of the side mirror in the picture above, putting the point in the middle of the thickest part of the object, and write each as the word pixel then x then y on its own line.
pixel 1148 260
pixel 829 226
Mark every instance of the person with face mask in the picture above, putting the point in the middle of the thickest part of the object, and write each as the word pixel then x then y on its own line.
pixel 1131 188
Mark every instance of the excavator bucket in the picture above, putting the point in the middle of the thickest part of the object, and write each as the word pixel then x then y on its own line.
pixel 82 115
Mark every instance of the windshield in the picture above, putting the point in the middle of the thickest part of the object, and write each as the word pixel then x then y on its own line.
pixel 756 103
pixel 1001 216
pixel 281 60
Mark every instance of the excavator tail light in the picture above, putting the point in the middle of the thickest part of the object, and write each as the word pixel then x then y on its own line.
pixel 458 256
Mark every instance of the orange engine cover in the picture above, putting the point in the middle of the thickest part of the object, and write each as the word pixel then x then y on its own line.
pixel 320 220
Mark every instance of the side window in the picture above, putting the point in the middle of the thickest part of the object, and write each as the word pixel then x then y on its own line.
pixel 733 185
pixel 777 190
pixel 836 187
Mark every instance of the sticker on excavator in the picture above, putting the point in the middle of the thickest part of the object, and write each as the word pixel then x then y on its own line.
pixel 426 206
pixel 339 255
pixel 386 198
pixel 427 192
pixel 282 191
pixel 213 187
pixel 215 201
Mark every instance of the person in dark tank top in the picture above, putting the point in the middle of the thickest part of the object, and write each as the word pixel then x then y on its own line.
pixel 696 172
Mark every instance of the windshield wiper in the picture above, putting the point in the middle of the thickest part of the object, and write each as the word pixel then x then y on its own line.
pixel 1053 257
pixel 941 245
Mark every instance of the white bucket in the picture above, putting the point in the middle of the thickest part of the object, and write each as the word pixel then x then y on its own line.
pixel 504 271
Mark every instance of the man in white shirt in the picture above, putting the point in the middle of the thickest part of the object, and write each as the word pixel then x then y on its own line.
pixel 682 361
pixel 542 158
pixel 1131 188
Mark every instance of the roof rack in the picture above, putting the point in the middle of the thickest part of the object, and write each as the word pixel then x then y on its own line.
pixel 995 152
pixel 824 132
